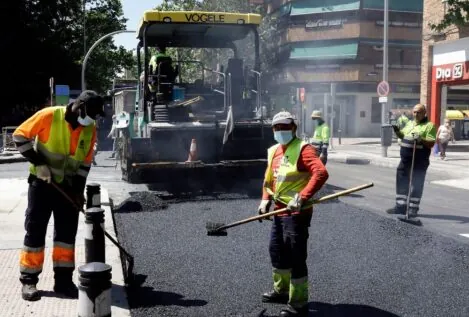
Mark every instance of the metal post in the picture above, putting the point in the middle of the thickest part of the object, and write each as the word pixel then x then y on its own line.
pixel 94 235
pixel 333 93
pixel 94 290
pixel 85 60
pixel 384 112
pixel 94 224
pixel 84 28
pixel 443 102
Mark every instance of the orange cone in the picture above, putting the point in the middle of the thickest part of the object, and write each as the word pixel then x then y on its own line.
pixel 192 152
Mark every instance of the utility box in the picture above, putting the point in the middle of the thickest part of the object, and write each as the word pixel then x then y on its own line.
pixel 386 135
pixel 124 100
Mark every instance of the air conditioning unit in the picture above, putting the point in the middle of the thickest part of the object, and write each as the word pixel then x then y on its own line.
pixel 378 47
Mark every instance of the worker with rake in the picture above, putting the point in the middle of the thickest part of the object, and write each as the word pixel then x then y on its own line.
pixel 62 155
pixel 294 174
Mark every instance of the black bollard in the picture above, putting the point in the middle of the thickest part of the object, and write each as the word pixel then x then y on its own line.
pixel 93 195
pixel 94 235
pixel 94 290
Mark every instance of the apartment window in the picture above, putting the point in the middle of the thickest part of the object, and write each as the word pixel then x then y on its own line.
pixel 375 110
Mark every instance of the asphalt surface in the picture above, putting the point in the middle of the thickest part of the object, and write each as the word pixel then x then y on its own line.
pixel 362 262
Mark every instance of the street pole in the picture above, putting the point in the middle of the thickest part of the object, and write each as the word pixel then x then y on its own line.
pixel 333 92
pixel 83 68
pixel 384 112
pixel 84 28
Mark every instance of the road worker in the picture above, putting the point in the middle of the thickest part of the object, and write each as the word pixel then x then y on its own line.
pixel 402 120
pixel 294 174
pixel 320 139
pixel 64 137
pixel 161 64
pixel 423 133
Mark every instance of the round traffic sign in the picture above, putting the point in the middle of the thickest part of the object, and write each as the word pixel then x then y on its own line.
pixel 383 89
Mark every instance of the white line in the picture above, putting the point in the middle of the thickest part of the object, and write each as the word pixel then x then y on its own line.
pixel 464 235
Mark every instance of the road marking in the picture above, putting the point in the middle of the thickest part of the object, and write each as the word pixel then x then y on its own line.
pixel 462 183
pixel 464 235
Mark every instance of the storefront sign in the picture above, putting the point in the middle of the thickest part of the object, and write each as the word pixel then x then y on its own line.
pixel 449 72
pixel 324 23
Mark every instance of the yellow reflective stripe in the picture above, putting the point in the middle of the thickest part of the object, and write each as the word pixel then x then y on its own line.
pixel 20 139
pixel 411 146
pixel 281 271
pixel 25 147
pixel 82 173
pixel 63 264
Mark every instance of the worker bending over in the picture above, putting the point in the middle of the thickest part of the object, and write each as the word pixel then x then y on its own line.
pixel 320 139
pixel 63 151
pixel 294 174
pixel 423 132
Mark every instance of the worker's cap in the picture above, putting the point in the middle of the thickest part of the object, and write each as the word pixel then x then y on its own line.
pixel 316 114
pixel 91 102
pixel 283 117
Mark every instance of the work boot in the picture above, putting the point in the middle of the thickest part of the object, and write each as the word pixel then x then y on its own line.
pixel 67 289
pixel 30 292
pixel 274 297
pixel 294 312
pixel 394 211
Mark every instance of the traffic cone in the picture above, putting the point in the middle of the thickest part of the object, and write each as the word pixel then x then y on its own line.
pixel 192 152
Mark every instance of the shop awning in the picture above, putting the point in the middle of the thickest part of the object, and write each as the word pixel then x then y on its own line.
pixel 456 114
pixel 324 50
pixel 395 5
pixel 323 6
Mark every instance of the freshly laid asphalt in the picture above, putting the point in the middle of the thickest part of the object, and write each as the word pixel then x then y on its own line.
pixel 361 264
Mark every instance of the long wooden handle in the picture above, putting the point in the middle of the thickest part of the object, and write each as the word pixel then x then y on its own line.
pixel 279 211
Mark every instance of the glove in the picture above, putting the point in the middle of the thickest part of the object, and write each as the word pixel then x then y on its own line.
pixel 322 157
pixel 295 203
pixel 416 136
pixel 43 173
pixel 264 207
pixel 79 199
pixel 396 128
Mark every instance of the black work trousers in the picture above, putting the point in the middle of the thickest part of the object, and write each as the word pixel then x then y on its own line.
pixel 402 184
pixel 289 243
pixel 43 200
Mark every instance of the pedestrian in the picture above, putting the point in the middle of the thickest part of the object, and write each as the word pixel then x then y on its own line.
pixel 443 136
pixel 421 133
pixel 64 137
pixel 113 134
pixel 294 174
pixel 320 139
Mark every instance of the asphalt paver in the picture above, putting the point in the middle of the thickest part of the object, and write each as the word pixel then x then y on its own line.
pixel 361 264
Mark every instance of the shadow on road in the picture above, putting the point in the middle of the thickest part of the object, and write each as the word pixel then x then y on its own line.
pixel 459 219
pixel 146 296
pixel 318 309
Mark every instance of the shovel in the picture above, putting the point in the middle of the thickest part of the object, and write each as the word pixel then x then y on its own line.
pixel 219 229
pixel 129 277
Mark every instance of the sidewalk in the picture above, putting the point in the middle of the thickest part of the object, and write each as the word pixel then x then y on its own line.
pixel 11 157
pixel 362 151
pixel 14 202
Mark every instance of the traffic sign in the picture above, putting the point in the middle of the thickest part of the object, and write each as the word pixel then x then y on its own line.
pixel 383 99
pixel 302 95
pixel 383 89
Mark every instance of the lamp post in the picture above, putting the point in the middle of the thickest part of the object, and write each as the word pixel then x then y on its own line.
pixel 384 112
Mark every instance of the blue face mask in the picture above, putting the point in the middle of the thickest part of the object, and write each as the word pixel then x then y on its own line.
pixel 283 137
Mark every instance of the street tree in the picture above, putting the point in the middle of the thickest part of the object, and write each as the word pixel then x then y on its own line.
pixel 457 14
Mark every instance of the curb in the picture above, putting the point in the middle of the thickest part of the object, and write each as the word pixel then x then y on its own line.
pixel 348 159
pixel 12 159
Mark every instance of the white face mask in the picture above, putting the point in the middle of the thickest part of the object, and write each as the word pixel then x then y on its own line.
pixel 86 121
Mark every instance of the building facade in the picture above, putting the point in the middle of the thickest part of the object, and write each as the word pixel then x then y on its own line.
pixel 445 69
pixel 341 42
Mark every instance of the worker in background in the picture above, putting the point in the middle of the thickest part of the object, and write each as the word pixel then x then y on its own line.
pixel 321 136
pixel 113 134
pixel 161 59
pixel 423 132
pixel 294 174
pixel 402 120
pixel 64 138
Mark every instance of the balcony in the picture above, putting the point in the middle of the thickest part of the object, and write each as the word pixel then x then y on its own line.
pixel 328 72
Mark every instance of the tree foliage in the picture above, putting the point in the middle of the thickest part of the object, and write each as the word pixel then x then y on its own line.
pixel 457 14
pixel 44 39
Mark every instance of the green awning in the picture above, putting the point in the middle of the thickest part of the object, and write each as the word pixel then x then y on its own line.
pixel 323 6
pixel 324 50
pixel 395 5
